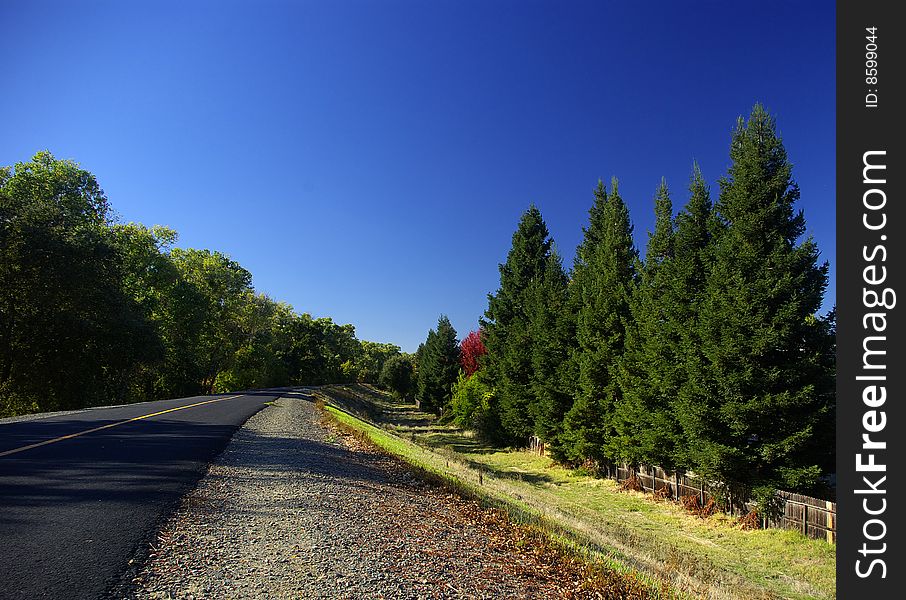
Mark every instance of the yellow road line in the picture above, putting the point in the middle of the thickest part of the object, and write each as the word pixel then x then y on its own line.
pixel 108 426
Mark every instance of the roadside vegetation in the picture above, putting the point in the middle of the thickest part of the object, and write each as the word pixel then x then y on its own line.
pixel 707 355
pixel 675 553
pixel 95 311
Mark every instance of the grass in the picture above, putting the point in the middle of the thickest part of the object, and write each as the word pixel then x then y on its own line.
pixel 601 574
pixel 711 557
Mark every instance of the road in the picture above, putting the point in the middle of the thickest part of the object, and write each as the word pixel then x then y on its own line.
pixel 80 493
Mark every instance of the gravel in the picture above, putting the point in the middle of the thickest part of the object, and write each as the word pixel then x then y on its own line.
pixel 295 509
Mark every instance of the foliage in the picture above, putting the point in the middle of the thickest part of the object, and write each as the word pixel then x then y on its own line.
pixel 70 335
pixel 645 429
pixel 603 277
pixel 397 375
pixel 438 367
pixel 93 311
pixel 372 358
pixel 708 355
pixel 507 330
pixel 551 328
pixel 759 391
pixel 471 400
pixel 226 321
pixel 679 348
pixel 472 349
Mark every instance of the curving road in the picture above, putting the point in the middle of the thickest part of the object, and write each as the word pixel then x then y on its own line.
pixel 81 492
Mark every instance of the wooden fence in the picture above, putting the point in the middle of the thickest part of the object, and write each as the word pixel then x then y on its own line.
pixel 814 517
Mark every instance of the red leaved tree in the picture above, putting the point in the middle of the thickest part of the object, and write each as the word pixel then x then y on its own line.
pixel 471 349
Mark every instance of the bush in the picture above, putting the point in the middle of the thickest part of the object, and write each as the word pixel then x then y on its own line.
pixel 470 402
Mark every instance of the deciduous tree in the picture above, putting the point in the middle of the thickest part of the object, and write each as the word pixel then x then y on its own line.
pixel 472 349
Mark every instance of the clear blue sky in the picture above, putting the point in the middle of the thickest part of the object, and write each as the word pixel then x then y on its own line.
pixel 368 161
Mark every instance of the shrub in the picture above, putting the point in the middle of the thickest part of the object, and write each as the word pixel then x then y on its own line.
pixel 470 402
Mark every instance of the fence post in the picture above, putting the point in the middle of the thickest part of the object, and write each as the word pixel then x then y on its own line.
pixel 805 520
pixel 701 491
pixel 676 495
pixel 829 521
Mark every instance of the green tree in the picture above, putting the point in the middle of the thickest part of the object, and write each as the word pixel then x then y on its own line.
pixel 69 334
pixel 254 363
pixel 226 290
pixel 92 311
pixel 756 401
pixel 680 350
pixel 152 281
pixel 439 367
pixel 397 375
pixel 506 328
pixel 469 404
pixel 603 276
pixel 551 328
pixel 372 359
pixel 643 417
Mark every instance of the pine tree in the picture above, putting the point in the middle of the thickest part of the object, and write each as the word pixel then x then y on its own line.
pixel 438 366
pixel 753 402
pixel 686 278
pixel 643 419
pixel 603 276
pixel 506 330
pixel 552 332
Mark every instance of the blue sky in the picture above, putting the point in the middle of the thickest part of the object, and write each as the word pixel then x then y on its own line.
pixel 368 161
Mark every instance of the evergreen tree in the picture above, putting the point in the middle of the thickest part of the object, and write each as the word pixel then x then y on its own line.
pixel 438 366
pixel 755 404
pixel 552 332
pixel 506 328
pixel 686 278
pixel 643 419
pixel 603 277
pixel 425 372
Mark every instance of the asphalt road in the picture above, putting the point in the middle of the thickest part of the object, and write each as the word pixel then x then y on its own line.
pixel 74 511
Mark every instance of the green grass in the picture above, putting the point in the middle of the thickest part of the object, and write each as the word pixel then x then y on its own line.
pixel 704 557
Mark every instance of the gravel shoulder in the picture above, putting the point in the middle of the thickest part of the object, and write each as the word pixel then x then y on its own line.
pixel 296 509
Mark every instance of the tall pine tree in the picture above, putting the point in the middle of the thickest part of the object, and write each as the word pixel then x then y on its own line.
pixel 552 332
pixel 438 366
pixel 603 277
pixel 507 331
pixel 754 405
pixel 687 275
pixel 643 420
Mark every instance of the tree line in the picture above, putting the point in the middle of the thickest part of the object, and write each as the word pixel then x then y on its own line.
pixel 93 311
pixel 707 354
